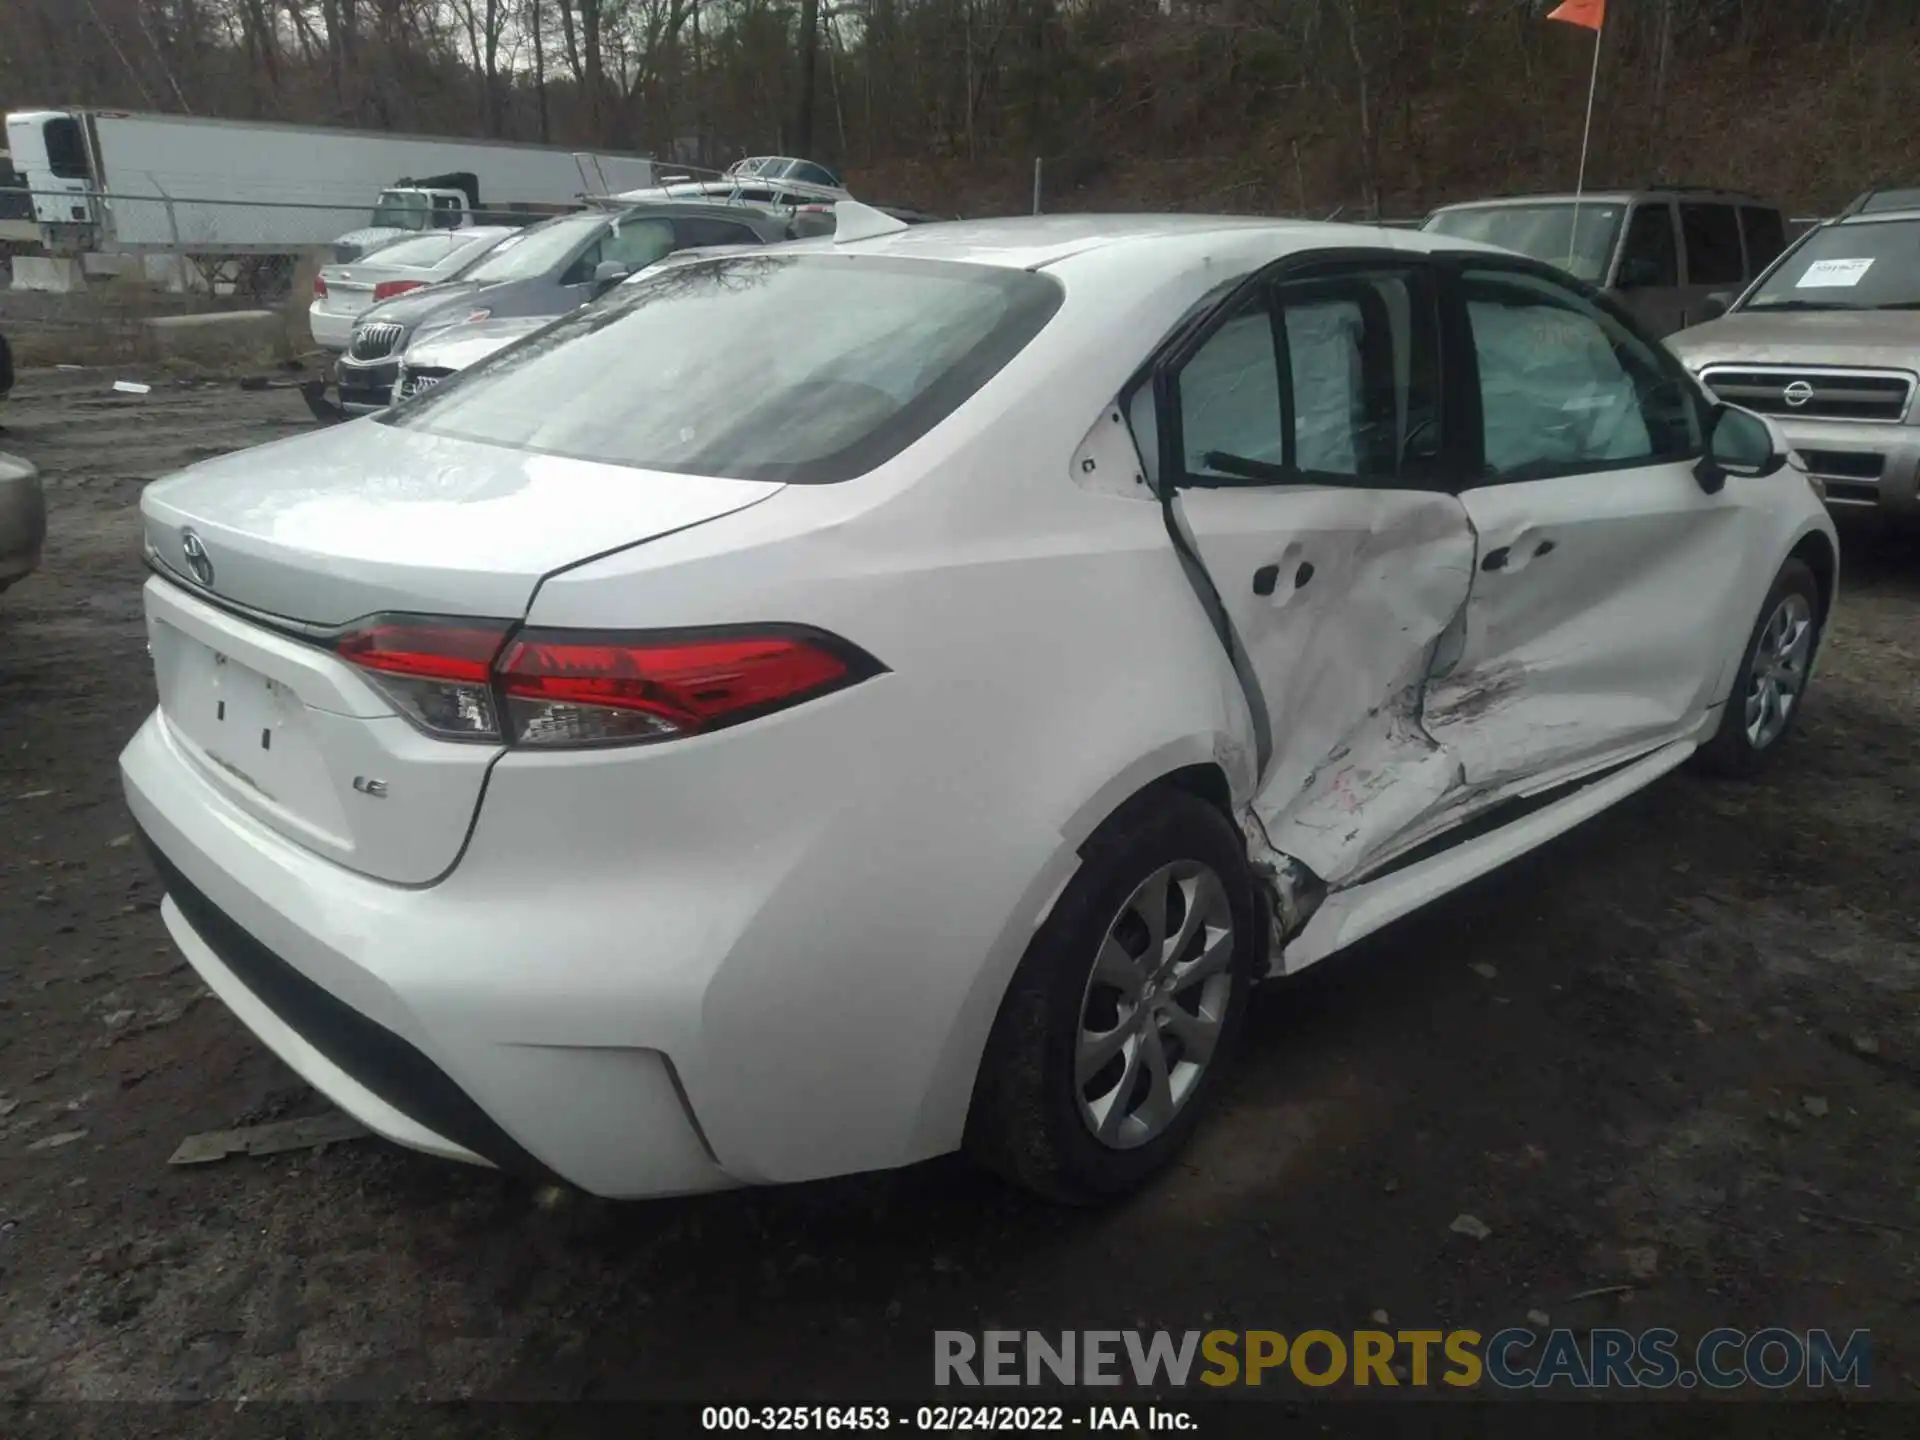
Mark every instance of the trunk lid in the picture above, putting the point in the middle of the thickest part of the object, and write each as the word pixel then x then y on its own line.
pixel 323 530
pixel 347 293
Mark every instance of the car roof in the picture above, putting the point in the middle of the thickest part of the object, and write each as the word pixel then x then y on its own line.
pixel 1885 202
pixel 1037 241
pixel 1884 199
pixel 1879 217
pixel 1612 197
pixel 670 209
pixel 468 234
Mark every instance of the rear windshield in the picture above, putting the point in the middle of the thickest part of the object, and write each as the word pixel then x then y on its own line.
pixel 535 251
pixel 1861 265
pixel 420 253
pixel 802 368
pixel 1546 232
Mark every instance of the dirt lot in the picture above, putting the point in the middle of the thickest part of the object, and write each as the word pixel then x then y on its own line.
pixel 1677 1052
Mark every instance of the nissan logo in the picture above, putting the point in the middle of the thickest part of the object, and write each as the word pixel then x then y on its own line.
pixel 197 559
pixel 1797 394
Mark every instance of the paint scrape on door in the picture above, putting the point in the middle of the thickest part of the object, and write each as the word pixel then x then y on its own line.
pixel 1354 765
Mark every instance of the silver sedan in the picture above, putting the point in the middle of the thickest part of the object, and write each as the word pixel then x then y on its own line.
pixel 342 292
pixel 23 519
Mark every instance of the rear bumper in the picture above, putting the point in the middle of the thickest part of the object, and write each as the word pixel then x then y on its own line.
pixel 367 1069
pixel 379 996
pixel 1861 465
pixel 330 331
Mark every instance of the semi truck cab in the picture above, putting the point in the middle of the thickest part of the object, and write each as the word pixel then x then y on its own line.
pixel 52 155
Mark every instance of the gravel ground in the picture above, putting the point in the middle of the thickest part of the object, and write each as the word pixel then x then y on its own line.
pixel 1677 1052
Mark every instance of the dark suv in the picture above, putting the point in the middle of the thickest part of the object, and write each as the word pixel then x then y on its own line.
pixel 1662 252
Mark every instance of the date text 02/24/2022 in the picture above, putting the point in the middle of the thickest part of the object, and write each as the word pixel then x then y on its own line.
pixel 939 1419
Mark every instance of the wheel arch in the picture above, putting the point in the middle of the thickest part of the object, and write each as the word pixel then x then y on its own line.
pixel 1212 767
pixel 1817 551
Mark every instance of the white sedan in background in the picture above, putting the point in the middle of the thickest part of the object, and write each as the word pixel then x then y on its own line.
pixel 667 759
pixel 342 292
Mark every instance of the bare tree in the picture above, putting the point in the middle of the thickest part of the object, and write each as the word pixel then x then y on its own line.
pixel 809 40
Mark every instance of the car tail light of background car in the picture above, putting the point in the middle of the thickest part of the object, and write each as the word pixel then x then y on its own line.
pixel 387 289
pixel 319 287
pixel 481 680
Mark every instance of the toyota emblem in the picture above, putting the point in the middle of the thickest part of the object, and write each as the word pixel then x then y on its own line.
pixel 1797 394
pixel 197 559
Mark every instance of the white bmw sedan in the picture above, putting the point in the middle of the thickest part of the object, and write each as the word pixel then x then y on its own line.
pixel 666 759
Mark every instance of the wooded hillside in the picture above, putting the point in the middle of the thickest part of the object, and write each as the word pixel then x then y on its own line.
pixel 1266 105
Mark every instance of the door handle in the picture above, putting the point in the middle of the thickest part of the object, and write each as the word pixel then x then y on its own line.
pixel 1504 557
pixel 1265 578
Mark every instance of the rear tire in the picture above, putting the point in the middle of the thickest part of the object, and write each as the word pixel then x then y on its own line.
pixel 1771 687
pixel 1091 1082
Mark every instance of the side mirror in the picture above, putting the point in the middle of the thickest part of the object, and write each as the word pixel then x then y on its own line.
pixel 1715 305
pixel 1738 443
pixel 609 273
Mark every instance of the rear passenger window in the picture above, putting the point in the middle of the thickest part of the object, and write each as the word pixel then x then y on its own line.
pixel 1362 354
pixel 1331 377
pixel 1766 237
pixel 697 230
pixel 1713 244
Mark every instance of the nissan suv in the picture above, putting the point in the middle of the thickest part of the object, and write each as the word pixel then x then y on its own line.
pixel 1827 344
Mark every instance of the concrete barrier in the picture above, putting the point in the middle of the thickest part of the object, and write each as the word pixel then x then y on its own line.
pixel 49 274
pixel 227 338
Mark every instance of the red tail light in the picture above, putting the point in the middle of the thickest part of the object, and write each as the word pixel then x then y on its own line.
pixel 319 287
pixel 561 688
pixel 566 688
pixel 387 289
pixel 438 673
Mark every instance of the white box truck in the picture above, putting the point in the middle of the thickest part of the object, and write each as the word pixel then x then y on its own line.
pixel 116 181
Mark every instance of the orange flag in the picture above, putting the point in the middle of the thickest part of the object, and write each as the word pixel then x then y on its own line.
pixel 1590 13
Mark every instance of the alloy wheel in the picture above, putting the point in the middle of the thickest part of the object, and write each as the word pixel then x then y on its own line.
pixel 1781 659
pixel 1154 1004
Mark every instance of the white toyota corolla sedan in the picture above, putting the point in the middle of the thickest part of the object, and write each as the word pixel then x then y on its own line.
pixel 825 707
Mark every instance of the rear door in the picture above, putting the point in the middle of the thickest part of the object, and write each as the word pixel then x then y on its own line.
pixel 1305 434
pixel 1595 623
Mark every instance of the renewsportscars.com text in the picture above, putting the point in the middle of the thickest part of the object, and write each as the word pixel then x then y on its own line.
pixel 1772 1358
